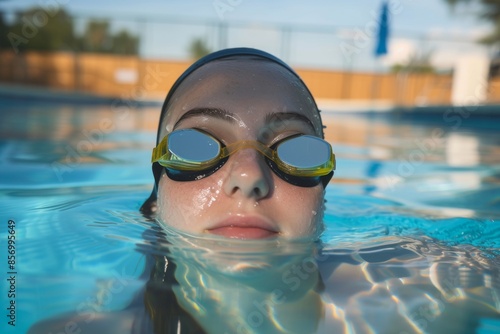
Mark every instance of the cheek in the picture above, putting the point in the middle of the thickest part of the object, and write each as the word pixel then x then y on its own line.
pixel 181 204
pixel 302 208
pixel 307 201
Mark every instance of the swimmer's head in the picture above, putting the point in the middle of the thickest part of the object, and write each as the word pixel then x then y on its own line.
pixel 256 113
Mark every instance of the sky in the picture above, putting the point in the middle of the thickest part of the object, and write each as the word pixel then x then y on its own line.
pixel 315 33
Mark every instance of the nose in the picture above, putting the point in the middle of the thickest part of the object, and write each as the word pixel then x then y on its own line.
pixel 248 174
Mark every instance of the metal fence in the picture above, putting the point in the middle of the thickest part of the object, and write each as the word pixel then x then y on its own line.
pixel 337 62
pixel 312 46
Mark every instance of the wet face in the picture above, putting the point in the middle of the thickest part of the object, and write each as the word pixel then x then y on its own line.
pixel 233 100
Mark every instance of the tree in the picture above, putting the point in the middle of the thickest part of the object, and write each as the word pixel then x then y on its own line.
pixel 97 38
pixel 4 31
pixel 198 48
pixel 125 43
pixel 418 63
pixel 40 29
pixel 37 29
pixel 490 11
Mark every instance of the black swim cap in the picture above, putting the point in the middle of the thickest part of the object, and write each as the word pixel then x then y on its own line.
pixel 226 53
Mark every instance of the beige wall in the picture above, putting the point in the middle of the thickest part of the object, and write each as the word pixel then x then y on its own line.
pixel 97 74
pixel 494 90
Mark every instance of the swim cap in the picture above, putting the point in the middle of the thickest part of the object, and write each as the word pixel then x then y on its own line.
pixel 147 207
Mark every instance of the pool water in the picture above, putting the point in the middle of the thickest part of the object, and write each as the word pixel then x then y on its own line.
pixel 411 241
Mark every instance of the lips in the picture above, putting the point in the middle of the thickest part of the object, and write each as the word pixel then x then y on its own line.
pixel 244 228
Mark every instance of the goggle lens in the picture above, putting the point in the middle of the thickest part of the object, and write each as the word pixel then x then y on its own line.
pixel 304 152
pixel 193 146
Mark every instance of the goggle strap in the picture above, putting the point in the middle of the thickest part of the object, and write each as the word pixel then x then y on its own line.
pixel 160 150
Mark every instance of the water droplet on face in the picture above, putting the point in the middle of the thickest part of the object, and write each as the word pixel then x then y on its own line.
pixel 213 196
pixel 314 212
pixel 256 204
pixel 200 201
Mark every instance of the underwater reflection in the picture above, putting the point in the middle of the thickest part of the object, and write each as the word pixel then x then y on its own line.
pixel 390 285
pixel 237 287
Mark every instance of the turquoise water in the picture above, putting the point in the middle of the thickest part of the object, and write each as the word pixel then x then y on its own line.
pixel 411 242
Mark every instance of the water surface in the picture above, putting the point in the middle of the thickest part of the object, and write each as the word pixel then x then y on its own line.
pixel 411 242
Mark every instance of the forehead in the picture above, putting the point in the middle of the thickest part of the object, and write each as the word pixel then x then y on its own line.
pixel 248 88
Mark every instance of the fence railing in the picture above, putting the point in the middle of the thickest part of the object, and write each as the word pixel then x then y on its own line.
pixel 336 62
pixel 112 75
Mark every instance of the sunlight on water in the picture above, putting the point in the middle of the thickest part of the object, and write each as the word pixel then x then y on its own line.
pixel 411 240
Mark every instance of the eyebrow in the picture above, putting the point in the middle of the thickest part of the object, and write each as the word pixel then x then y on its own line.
pixel 211 112
pixel 288 116
pixel 233 119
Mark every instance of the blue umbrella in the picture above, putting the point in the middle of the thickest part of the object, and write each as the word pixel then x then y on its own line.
pixel 383 32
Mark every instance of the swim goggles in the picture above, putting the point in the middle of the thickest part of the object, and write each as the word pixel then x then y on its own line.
pixel 191 154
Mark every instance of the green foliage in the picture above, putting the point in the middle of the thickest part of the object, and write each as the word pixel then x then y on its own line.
pixel 489 11
pixel 39 29
pixel 4 30
pixel 125 43
pixel 198 48
pixel 36 29
pixel 455 2
pixel 98 38
pixel 418 63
